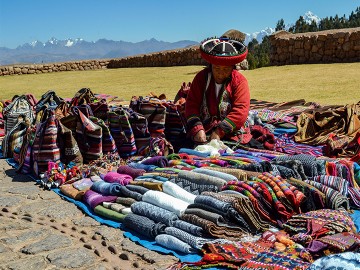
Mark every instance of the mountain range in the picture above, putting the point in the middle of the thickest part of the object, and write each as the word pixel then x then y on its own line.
pixel 55 50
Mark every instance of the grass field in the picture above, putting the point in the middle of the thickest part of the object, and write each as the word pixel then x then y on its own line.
pixel 324 83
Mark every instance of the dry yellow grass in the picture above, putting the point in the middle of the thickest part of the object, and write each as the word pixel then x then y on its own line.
pixel 324 83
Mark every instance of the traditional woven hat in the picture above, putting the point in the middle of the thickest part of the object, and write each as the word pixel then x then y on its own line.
pixel 223 51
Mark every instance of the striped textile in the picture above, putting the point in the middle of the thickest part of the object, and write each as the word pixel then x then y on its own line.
pixel 334 182
pixel 19 106
pixel 194 241
pixel 144 225
pixel 45 147
pixel 13 140
pixel 221 175
pixel 108 142
pixel 237 173
pixel 155 213
pixel 122 132
pixel 153 111
pixel 139 125
pixel 286 144
pixel 174 243
pixel 89 138
pixel 334 199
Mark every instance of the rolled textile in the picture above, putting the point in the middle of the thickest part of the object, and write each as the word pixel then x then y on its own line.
pixel 83 184
pixel 114 177
pixel 148 185
pixel 194 241
pixel 96 178
pixel 144 225
pixel 222 175
pixel 173 243
pixel 125 169
pixel 159 161
pixel 154 212
pixel 212 229
pixel 93 198
pixel 125 192
pixel 114 206
pixel 165 201
pixel 126 211
pixel 178 192
pixel 70 191
pixel 308 163
pixel 125 201
pixel 109 213
pixel 138 189
pixel 106 188
pixel 138 165
pixel 199 178
pixel 213 217
pixel 188 227
pixel 243 205
pixel 154 176
pixel 192 152
pixel 224 208
pixel 334 199
pixel 334 182
pixel 193 188
pixel 238 173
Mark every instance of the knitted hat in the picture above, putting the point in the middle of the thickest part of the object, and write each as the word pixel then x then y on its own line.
pixel 223 51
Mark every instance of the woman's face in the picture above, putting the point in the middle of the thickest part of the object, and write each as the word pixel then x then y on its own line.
pixel 221 73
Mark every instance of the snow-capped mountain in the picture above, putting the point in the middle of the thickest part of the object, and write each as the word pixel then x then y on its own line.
pixel 309 17
pixel 55 50
pixel 258 35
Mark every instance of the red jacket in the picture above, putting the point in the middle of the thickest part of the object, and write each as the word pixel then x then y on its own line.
pixel 228 111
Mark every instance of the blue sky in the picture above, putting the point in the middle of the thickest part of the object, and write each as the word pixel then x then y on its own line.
pixel 23 21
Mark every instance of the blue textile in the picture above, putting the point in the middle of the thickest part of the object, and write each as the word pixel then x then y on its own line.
pixel 152 245
pixel 279 131
pixel 148 168
pixel 194 152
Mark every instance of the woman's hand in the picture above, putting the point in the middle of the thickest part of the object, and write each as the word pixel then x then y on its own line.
pixel 200 137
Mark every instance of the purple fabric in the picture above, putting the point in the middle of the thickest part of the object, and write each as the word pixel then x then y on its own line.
pixel 93 198
pixel 159 161
pixel 125 169
pixel 114 177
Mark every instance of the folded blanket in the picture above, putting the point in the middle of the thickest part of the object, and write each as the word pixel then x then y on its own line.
pixel 165 201
pixel 222 175
pixel 125 169
pixel 137 188
pixel 70 191
pixel 159 161
pixel 189 227
pixel 199 178
pixel 114 177
pixel 93 199
pixel 154 212
pixel 106 188
pixel 125 192
pixel 143 225
pixel 194 241
pixel 137 165
pixel 125 201
pixel 83 184
pixel 114 206
pixel 193 188
pixel 174 243
pixel 237 173
pixel 178 192
pixel 148 185
pixel 109 213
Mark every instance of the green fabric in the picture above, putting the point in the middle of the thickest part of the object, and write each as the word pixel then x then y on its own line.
pixel 108 213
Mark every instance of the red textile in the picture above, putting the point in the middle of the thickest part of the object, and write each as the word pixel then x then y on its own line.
pixel 239 94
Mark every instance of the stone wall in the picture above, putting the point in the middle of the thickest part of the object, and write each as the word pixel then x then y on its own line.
pixel 53 67
pixel 181 57
pixel 331 46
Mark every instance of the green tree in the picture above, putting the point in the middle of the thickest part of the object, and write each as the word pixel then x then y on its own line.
pixel 280 25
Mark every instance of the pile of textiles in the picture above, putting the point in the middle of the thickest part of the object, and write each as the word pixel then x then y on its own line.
pixel 282 206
